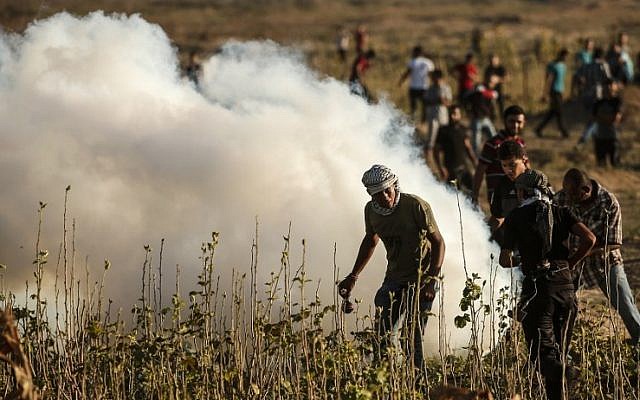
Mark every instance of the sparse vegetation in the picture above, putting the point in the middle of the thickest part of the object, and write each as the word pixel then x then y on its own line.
pixel 272 340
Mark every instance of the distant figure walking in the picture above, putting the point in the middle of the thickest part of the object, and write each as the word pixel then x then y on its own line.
pixel 437 98
pixel 467 74
pixel 583 58
pixel 417 71
pixel 619 59
pixel 342 43
pixel 360 66
pixel 553 91
pixel 495 68
pixel 452 149
pixel 627 58
pixel 593 77
pixel 480 101
pixel 193 70
pixel 607 114
pixel 361 38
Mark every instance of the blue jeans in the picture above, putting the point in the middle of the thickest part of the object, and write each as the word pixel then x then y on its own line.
pixel 621 298
pixel 481 130
pixel 394 301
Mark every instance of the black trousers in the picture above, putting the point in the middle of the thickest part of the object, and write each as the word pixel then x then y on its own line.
pixel 393 301
pixel 607 148
pixel 417 96
pixel 555 110
pixel 547 313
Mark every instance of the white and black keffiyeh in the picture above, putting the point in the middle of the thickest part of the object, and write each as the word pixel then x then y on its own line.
pixel 377 179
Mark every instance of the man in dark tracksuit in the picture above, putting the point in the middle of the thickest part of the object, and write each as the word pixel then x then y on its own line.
pixel 547 306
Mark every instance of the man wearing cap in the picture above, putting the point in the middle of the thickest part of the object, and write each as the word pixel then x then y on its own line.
pixel 415 251
pixel 548 306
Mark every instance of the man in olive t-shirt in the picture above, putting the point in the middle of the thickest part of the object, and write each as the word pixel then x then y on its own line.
pixel 415 251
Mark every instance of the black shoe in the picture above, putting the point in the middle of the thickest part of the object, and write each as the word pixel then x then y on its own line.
pixel 565 134
pixel 538 133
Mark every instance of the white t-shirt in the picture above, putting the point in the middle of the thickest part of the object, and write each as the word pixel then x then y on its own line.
pixel 420 68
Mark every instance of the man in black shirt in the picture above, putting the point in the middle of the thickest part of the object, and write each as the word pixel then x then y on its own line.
pixel 454 145
pixel 607 114
pixel 514 161
pixel 547 308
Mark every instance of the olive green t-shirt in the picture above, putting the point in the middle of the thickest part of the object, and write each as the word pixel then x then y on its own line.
pixel 404 234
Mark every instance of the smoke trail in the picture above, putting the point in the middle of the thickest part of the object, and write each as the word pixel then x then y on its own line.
pixel 98 103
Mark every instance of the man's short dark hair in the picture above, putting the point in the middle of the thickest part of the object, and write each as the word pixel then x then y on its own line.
pixel 513 110
pixel 511 149
pixel 577 177
pixel 563 53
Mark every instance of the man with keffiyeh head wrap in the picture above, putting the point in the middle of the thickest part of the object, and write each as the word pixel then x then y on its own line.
pixel 415 251
pixel 548 306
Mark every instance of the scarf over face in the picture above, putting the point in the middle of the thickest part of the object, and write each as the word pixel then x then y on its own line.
pixel 535 187
pixel 377 179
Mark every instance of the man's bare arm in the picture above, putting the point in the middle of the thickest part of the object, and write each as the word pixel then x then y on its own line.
pixel 428 293
pixel 404 76
pixel 495 223
pixel 470 153
pixel 365 252
pixel 437 157
pixel 367 246
pixel 437 253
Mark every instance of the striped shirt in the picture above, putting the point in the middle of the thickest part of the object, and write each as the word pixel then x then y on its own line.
pixel 489 157
pixel 603 217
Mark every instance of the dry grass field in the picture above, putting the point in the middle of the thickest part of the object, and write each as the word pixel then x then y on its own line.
pixel 526 34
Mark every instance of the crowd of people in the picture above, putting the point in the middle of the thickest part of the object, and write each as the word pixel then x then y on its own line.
pixel 597 80
pixel 560 241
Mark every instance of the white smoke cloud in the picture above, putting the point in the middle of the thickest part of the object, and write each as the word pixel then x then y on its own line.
pixel 98 103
